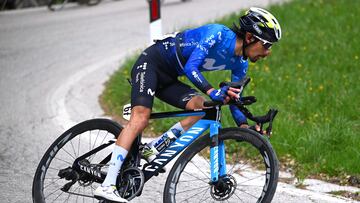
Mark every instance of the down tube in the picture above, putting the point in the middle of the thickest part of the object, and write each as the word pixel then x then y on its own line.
pixel 176 147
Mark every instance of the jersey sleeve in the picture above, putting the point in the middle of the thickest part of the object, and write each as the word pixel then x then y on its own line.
pixel 236 75
pixel 197 58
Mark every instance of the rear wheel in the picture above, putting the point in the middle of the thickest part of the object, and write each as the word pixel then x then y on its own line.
pixel 57 179
pixel 252 171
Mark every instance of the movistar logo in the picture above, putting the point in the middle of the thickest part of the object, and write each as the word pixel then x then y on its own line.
pixel 120 157
pixel 150 92
pixel 218 93
pixel 209 65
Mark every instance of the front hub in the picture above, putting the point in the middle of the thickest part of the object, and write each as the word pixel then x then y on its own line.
pixel 224 188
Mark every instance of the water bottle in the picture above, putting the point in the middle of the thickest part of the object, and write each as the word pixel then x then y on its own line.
pixel 163 142
pixel 166 139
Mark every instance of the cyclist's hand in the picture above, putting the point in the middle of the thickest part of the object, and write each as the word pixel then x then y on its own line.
pixel 224 94
pixel 220 94
pixel 234 93
pixel 257 129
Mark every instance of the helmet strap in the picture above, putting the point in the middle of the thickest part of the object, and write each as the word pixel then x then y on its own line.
pixel 243 49
pixel 245 57
pixel 246 45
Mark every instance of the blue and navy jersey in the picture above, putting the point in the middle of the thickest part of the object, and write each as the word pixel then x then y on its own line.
pixel 206 48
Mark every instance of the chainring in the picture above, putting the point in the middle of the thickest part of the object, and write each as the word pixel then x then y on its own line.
pixel 131 183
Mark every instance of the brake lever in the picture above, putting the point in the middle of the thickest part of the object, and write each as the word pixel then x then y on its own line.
pixel 273 113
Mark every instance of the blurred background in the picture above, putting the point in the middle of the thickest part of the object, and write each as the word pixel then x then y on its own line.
pixel 63 62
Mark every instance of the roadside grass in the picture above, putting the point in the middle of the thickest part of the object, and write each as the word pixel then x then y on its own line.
pixel 311 77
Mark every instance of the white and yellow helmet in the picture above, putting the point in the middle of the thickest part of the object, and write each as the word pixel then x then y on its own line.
pixel 261 23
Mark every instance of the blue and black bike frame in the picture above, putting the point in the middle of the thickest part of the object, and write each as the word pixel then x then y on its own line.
pixel 211 120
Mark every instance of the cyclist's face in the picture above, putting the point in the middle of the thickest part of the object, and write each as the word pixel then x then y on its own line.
pixel 257 51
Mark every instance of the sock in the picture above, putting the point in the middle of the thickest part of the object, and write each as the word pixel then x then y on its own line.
pixel 117 159
pixel 177 126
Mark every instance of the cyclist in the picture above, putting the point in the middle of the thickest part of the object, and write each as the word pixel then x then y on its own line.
pixel 206 48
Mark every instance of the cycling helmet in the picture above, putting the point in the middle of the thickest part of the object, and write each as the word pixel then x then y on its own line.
pixel 261 23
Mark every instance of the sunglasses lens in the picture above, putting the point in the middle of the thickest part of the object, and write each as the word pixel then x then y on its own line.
pixel 267 45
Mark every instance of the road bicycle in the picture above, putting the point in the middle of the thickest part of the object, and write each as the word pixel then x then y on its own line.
pixel 56 5
pixel 227 164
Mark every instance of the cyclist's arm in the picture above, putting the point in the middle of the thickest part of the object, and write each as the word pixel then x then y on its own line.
pixel 238 116
pixel 195 60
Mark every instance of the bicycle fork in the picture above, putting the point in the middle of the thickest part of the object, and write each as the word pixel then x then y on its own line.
pixel 217 154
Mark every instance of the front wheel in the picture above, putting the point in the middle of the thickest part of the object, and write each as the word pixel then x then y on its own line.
pixel 252 170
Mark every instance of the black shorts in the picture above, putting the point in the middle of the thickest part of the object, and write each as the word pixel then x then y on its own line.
pixel 149 79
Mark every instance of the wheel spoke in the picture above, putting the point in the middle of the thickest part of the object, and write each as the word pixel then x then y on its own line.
pixel 204 194
pixel 63 161
pixel 51 183
pixel 104 138
pixel 90 141
pixel 205 200
pixel 247 193
pixel 58 196
pixel 192 189
pixel 206 175
pixel 67 199
pixel 240 167
pixel 197 177
pixel 52 193
pixel 77 196
pixel 72 146
pixel 96 139
pixel 204 158
pixel 251 179
pixel 185 200
pixel 99 145
pixel 68 153
pixel 238 197
pixel 83 196
pixel 55 169
pixel 79 145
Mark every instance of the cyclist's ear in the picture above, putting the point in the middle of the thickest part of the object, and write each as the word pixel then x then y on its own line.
pixel 249 38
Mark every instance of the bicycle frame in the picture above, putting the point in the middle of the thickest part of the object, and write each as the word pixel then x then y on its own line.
pixel 211 120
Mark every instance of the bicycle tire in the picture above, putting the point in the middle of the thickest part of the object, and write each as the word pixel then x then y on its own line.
pixel 191 180
pixel 63 146
pixel 56 5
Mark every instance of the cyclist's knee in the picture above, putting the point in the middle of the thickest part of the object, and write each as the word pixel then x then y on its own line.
pixel 195 103
pixel 140 116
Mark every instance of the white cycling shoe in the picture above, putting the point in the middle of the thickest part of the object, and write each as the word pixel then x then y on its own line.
pixel 109 193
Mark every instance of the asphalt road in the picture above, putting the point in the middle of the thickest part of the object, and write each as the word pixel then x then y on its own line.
pixel 53 65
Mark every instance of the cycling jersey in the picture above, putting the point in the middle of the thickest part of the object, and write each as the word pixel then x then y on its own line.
pixel 207 48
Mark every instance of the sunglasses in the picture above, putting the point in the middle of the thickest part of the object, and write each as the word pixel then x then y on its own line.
pixel 266 44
